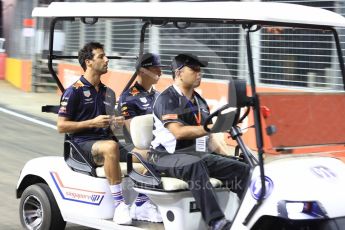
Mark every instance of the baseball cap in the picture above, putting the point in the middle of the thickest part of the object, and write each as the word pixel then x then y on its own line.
pixel 148 60
pixel 187 59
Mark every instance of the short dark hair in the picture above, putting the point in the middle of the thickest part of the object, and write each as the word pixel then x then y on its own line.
pixel 86 52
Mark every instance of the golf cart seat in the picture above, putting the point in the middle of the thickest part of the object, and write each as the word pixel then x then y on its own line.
pixel 77 162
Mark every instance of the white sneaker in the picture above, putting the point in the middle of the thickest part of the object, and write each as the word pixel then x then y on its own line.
pixel 121 214
pixel 147 212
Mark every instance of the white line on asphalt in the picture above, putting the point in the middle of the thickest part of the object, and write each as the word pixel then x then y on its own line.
pixel 28 118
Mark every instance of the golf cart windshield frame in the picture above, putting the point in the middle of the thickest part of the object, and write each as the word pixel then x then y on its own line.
pixel 248 25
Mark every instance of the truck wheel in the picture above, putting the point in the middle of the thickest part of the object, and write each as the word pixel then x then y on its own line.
pixel 38 209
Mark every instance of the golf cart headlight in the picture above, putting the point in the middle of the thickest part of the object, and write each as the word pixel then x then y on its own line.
pixel 301 210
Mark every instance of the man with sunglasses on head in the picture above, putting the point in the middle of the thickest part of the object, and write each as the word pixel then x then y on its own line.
pixel 180 146
pixel 138 100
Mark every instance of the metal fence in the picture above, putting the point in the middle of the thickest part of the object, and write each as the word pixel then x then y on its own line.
pixel 307 58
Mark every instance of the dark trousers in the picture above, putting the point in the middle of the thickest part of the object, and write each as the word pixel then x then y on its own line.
pixel 196 169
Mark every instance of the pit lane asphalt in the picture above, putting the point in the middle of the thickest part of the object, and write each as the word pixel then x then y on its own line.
pixel 22 140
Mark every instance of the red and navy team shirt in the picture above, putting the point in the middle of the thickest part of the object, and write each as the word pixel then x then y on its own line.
pixel 81 102
pixel 137 101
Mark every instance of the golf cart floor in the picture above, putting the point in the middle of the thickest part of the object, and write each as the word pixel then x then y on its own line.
pixel 148 225
pixel 140 224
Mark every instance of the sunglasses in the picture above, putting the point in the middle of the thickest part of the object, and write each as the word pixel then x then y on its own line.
pixel 195 68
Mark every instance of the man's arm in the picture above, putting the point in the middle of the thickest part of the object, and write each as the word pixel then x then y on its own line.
pixel 217 144
pixel 127 124
pixel 186 132
pixel 65 125
pixel 128 112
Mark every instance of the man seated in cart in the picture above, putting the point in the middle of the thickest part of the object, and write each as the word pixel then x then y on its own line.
pixel 180 145
pixel 138 100
pixel 87 113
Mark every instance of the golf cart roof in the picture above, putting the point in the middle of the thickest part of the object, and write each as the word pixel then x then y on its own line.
pixel 230 12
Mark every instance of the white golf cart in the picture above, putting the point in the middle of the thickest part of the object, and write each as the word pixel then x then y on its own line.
pixel 287 191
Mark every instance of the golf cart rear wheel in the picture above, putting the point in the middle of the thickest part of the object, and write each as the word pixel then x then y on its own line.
pixel 38 209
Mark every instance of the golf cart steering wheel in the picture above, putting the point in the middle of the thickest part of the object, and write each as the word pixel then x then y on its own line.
pixel 225 118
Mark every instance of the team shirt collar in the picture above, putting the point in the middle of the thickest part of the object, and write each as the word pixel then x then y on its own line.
pixel 177 89
pixel 142 89
pixel 88 84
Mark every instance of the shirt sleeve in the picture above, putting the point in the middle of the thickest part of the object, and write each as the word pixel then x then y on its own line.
pixel 68 103
pixel 167 109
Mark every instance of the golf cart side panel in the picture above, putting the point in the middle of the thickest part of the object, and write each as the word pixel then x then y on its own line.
pixel 318 176
pixel 284 183
pixel 74 192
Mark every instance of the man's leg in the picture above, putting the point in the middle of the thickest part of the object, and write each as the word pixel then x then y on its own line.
pixel 143 208
pixel 193 170
pixel 107 152
pixel 234 174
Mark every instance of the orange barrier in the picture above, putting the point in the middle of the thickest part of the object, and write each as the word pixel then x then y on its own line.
pixel 2 65
pixel 215 92
pixel 26 75
pixel 304 119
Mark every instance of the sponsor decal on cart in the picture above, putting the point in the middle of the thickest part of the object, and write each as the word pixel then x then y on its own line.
pixel 256 187
pixel 76 194
pixel 323 172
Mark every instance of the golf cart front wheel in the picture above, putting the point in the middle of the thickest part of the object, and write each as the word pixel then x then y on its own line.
pixel 38 209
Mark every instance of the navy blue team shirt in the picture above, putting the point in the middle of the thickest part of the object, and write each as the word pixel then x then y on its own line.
pixel 82 102
pixel 137 101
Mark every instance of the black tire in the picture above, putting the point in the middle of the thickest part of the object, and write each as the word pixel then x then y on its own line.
pixel 38 209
